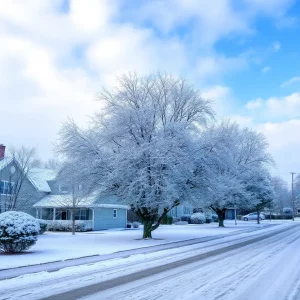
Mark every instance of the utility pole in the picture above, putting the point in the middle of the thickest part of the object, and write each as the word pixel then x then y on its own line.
pixel 293 201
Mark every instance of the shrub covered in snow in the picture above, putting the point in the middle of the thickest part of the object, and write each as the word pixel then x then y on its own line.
pixel 197 218
pixel 215 218
pixel 18 231
pixel 186 218
pixel 43 225
pixel 287 210
pixel 64 225
pixel 181 223
pixel 175 219
pixel 135 224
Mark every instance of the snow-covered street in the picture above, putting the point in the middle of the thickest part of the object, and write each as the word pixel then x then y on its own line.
pixel 60 246
pixel 256 265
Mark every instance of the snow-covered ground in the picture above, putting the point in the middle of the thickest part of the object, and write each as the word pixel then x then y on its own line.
pixel 61 246
pixel 263 269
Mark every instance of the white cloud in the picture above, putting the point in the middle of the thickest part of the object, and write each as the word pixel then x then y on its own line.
pixel 211 22
pixel 290 82
pixel 284 141
pixel 266 69
pixel 273 8
pixel 288 106
pixel 243 121
pixel 221 98
pixel 277 107
pixel 254 104
pixel 53 62
pixel 92 17
pixel 276 46
pixel 215 66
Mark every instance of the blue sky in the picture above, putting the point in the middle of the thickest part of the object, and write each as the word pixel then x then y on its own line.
pixel 242 54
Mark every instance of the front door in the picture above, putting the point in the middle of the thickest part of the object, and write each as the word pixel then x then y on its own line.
pixel 64 215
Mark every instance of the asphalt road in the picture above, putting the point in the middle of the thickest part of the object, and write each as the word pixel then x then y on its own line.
pixel 116 287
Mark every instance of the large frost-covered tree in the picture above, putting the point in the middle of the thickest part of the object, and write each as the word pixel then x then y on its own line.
pixel 234 158
pixel 142 146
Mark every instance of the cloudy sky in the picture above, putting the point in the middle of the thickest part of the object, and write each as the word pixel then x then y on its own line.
pixel 244 55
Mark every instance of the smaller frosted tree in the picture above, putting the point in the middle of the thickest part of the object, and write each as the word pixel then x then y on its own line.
pixel 233 155
pixel 69 177
pixel 19 195
pixel 282 194
pixel 260 193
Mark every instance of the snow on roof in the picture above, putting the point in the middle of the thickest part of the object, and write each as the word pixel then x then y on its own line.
pixel 50 201
pixel 39 177
pixel 4 162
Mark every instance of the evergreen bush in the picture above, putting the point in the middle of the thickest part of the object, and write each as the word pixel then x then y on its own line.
pixel 18 231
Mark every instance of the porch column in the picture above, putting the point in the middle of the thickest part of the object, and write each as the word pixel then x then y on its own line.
pixel 54 213
pixel 93 216
pixel 41 213
pixel 37 213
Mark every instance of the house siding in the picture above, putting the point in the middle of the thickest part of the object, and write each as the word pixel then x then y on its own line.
pixel 181 210
pixel 103 218
pixel 28 194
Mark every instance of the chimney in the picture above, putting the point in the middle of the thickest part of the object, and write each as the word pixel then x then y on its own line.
pixel 2 151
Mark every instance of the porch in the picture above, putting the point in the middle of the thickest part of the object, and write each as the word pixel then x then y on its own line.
pixel 63 216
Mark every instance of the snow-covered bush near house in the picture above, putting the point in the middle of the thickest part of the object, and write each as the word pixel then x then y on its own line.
pixel 198 218
pixel 18 231
pixel 181 223
pixel 186 218
pixel 135 224
pixel 175 219
pixel 208 218
pixel 64 225
pixel 287 210
pixel 43 225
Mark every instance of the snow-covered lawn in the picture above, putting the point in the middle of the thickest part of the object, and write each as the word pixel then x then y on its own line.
pixel 61 246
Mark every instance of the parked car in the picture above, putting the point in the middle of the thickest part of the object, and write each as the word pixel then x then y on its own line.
pixel 253 216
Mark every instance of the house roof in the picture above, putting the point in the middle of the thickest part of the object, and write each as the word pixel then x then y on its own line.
pixel 39 177
pixel 58 201
pixel 4 162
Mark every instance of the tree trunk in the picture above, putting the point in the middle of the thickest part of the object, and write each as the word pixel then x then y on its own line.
pixel 73 221
pixel 151 220
pixel 147 233
pixel 257 210
pixel 221 215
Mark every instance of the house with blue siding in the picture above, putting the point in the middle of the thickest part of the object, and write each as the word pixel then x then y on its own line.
pixel 98 213
pixel 181 210
pixel 44 197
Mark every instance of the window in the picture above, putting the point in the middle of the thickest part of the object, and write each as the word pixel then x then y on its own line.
pixel 6 187
pixel 63 189
pixel 115 213
pixel 81 214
